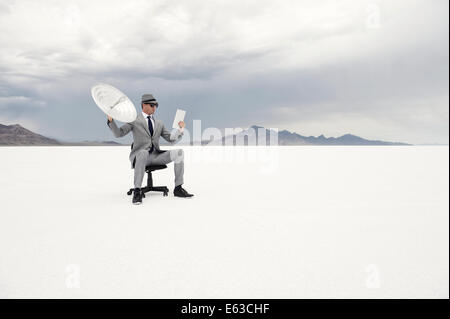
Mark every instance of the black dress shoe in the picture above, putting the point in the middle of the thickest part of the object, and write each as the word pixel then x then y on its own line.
pixel 181 192
pixel 137 196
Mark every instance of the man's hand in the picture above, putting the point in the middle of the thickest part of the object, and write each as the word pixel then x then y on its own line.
pixel 110 119
pixel 181 124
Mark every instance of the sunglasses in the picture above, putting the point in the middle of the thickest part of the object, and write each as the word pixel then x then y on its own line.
pixel 153 104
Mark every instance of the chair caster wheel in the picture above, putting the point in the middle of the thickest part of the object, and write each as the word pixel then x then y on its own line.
pixel 165 194
pixel 129 192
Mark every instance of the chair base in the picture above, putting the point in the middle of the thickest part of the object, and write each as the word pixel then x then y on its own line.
pixel 162 189
pixel 150 187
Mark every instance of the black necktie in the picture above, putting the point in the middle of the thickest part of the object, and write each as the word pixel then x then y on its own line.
pixel 150 127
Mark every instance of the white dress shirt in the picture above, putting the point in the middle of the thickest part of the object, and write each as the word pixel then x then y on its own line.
pixel 151 119
pixel 153 122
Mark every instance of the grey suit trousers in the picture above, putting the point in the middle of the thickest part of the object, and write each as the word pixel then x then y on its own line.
pixel 144 158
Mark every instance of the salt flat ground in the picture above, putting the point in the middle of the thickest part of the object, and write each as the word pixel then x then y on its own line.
pixel 287 222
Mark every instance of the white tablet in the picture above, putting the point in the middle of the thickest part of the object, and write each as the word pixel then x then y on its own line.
pixel 179 116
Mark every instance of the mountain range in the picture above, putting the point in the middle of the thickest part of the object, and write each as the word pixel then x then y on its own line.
pixel 18 135
pixel 291 138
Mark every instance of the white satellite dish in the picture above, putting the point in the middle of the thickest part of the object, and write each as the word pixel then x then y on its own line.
pixel 113 102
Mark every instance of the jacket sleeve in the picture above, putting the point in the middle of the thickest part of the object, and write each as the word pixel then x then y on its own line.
pixel 119 132
pixel 171 137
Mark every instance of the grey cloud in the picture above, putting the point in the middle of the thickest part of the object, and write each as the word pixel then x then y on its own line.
pixel 311 75
pixel 6 101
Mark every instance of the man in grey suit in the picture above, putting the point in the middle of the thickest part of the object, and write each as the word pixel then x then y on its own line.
pixel 145 148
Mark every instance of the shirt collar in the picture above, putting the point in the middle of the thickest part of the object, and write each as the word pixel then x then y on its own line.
pixel 145 115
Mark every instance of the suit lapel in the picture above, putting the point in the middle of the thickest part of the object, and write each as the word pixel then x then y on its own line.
pixel 144 123
pixel 155 128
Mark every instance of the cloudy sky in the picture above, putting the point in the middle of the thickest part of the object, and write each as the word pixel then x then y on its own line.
pixel 376 69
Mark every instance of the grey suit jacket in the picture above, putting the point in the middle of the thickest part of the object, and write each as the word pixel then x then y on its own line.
pixel 142 140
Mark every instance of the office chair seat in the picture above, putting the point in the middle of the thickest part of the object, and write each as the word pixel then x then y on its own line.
pixel 152 168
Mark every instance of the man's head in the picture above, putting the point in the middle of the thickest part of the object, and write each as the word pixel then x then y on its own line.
pixel 149 104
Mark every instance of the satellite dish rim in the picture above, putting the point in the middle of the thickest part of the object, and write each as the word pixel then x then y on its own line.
pixel 122 109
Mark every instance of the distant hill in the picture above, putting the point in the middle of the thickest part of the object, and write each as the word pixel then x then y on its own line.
pixel 18 135
pixel 291 138
pixel 287 138
pixel 93 143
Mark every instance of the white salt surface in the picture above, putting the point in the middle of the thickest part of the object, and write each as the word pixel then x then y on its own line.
pixel 299 222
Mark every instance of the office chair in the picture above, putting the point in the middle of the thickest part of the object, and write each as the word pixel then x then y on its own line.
pixel 150 188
